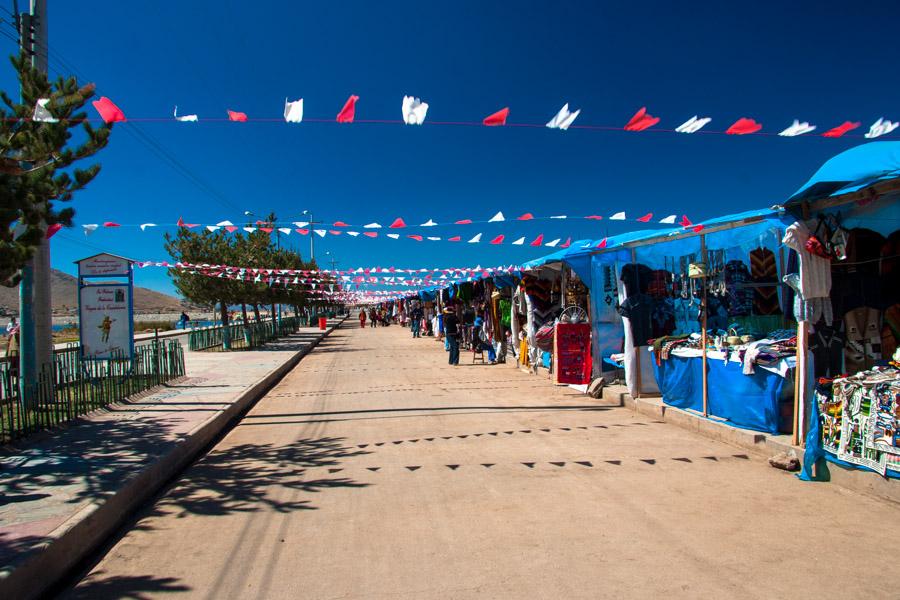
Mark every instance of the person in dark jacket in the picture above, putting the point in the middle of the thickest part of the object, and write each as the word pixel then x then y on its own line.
pixel 451 330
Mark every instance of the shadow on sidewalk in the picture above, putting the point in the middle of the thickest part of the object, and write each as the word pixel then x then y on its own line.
pixel 137 587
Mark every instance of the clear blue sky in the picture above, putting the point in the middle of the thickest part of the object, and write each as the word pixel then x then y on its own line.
pixel 823 62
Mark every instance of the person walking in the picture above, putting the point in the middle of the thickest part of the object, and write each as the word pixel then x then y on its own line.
pixel 451 331
pixel 373 318
pixel 362 319
pixel 416 321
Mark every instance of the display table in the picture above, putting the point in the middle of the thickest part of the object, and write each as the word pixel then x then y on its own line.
pixel 747 401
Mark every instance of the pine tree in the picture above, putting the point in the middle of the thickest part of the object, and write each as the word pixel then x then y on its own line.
pixel 37 162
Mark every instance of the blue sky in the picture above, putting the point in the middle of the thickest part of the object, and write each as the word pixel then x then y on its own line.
pixel 772 61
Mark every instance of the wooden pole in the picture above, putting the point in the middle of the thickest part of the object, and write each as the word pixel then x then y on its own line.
pixel 799 380
pixel 637 348
pixel 703 327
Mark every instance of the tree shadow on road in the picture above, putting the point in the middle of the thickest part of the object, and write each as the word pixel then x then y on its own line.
pixel 252 477
pixel 140 587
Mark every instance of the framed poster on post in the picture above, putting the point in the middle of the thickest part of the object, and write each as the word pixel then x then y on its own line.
pixel 572 353
pixel 105 307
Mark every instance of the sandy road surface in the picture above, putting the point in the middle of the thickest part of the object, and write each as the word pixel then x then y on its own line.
pixel 374 470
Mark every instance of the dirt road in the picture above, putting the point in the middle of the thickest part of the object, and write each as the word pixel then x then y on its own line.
pixel 374 470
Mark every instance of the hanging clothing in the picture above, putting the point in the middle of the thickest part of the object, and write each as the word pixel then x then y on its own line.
pixel 764 273
pixel 740 295
pixel 815 271
pixel 638 309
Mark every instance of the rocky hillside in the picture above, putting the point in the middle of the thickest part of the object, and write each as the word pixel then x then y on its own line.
pixel 64 289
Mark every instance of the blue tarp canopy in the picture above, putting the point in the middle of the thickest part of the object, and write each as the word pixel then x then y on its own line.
pixel 852 170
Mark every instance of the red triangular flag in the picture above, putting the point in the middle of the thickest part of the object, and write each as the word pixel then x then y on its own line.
pixel 370 234
pixel 464 222
pixel 594 217
pixel 109 112
pixel 234 115
pixel 641 121
pixel 348 113
pixel 567 244
pixel 646 218
pixel 636 118
pixel 743 126
pixel 266 229
pixel 497 240
pixel 110 224
pixel 418 238
pixel 538 240
pixel 51 230
pixel 526 217
pixel 397 224
pixel 230 228
pixel 335 231
pixel 455 238
pixel 498 118
pixel 181 223
pixel 685 222
pixel 698 228
pixel 602 243
pixel 840 129
pixel 302 231
pixel 340 224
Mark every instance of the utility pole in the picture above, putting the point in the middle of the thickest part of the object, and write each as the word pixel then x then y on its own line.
pixel 35 315
pixel 312 234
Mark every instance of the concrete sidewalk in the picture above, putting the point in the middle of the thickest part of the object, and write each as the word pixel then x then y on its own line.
pixel 64 492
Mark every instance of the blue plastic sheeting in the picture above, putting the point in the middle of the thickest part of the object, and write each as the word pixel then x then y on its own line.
pixel 851 170
pixel 574 256
pixel 745 401
pixel 426 296
pixel 504 281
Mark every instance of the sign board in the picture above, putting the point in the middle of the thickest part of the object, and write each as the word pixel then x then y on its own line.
pixel 105 320
pixel 105 307
pixel 572 353
pixel 104 265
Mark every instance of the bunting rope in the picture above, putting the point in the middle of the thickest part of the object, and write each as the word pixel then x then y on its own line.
pixel 413 112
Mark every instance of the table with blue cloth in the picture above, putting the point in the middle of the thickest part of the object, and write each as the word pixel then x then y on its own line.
pixel 746 401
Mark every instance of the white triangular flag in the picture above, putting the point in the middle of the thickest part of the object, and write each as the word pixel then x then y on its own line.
pixel 519 242
pixel 563 118
pixel 225 224
pixel 249 229
pixel 320 232
pixel 797 128
pixel 42 113
pixel 211 227
pixel 496 218
pixel 881 127
pixel 372 226
pixel 413 110
pixel 553 243
pixel 90 228
pixel 558 217
pixel 434 239
pixel 185 118
pixel 693 125
pixel 144 226
pixel 395 236
pixel 353 233
pixel 293 111
pixel 619 216
pixel 301 224
pixel 428 223
pixel 668 220
pixel 475 239
pixel 285 230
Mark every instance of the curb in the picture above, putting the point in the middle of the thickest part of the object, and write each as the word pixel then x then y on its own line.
pixel 855 480
pixel 86 531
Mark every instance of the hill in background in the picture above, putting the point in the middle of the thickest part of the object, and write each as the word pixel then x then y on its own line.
pixel 64 290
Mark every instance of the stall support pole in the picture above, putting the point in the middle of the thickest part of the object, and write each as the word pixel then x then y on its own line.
pixel 703 329
pixel 799 380
pixel 637 349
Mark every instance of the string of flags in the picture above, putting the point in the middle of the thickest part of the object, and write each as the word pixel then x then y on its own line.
pixel 413 112
pixel 370 230
pixel 390 273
